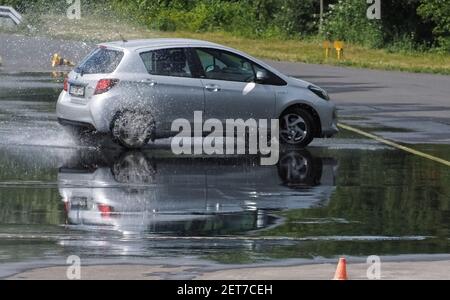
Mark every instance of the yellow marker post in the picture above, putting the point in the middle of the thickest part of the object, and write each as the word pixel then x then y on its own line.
pixel 57 60
pixel 339 46
pixel 327 47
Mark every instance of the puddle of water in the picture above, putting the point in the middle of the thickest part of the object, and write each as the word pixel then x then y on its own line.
pixel 90 200
pixel 341 196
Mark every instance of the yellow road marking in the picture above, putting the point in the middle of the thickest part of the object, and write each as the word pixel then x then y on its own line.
pixel 395 145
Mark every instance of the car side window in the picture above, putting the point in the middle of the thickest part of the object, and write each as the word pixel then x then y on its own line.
pixel 223 65
pixel 167 62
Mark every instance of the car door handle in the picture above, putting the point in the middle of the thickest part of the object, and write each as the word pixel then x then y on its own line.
pixel 213 88
pixel 150 82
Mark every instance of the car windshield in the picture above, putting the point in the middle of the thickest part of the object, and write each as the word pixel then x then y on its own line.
pixel 100 61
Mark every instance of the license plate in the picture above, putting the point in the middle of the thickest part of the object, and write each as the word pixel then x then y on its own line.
pixel 77 91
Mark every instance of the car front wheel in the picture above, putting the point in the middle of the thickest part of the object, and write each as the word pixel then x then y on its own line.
pixel 296 128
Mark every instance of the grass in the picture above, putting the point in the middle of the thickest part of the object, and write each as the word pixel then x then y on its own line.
pixel 100 28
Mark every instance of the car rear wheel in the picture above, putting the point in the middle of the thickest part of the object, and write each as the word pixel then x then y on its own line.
pixel 296 128
pixel 134 168
pixel 132 130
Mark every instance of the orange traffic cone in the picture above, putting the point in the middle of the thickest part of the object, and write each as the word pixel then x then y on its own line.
pixel 341 271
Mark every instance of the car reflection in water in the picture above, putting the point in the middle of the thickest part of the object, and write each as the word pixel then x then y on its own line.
pixel 140 193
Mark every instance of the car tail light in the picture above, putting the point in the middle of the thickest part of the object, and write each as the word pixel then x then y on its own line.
pixel 105 210
pixel 105 85
pixel 66 84
pixel 66 207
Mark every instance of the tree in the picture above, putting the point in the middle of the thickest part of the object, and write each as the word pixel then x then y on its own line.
pixel 438 12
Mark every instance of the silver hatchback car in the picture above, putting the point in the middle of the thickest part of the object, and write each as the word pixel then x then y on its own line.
pixel 134 90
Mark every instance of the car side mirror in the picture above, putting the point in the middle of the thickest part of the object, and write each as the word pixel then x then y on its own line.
pixel 261 76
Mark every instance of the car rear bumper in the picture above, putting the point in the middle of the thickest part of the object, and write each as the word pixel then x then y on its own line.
pixel 72 123
pixel 79 113
pixel 69 110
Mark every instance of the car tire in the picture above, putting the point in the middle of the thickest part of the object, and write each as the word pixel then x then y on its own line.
pixel 132 130
pixel 299 169
pixel 134 168
pixel 296 128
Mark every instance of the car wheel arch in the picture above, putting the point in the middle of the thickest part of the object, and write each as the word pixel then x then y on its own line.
pixel 117 113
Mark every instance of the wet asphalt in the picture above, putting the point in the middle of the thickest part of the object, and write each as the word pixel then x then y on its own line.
pixel 342 196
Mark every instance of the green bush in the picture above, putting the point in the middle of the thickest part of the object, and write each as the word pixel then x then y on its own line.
pixel 268 18
pixel 347 21
pixel 298 18
pixel 27 6
pixel 406 25
pixel 54 6
pixel 402 25
pixel 232 16
pixel 438 12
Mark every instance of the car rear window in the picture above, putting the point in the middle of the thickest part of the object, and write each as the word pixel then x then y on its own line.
pixel 100 61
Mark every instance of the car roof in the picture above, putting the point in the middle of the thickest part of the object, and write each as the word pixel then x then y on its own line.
pixel 164 42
